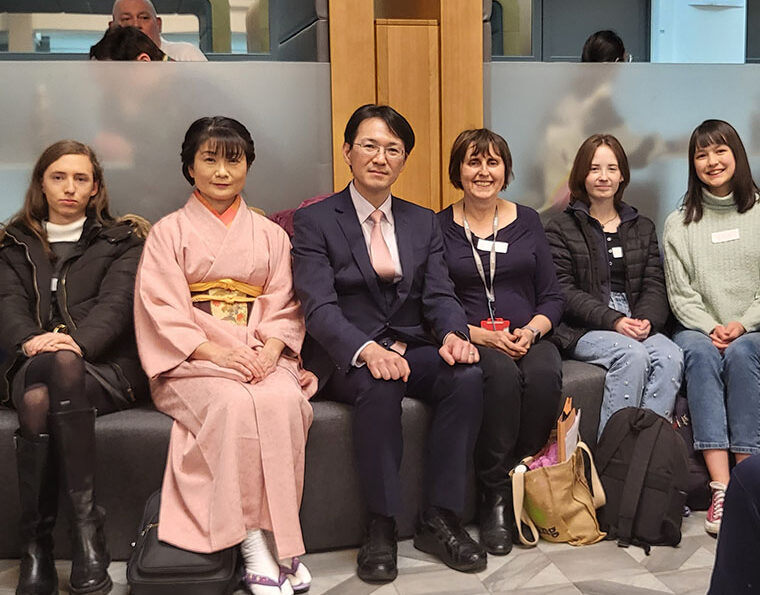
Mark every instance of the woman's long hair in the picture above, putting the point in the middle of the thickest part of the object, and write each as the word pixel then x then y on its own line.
pixel 718 132
pixel 35 209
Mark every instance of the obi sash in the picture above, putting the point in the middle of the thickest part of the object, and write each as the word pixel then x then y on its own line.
pixel 225 299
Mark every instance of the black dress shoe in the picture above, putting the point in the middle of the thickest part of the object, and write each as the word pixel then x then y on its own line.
pixel 496 521
pixel 376 561
pixel 440 532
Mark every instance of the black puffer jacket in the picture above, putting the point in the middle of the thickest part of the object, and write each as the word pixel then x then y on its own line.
pixel 95 295
pixel 580 255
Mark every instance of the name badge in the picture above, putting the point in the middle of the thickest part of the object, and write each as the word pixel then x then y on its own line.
pixel 500 247
pixel 54 284
pixel 617 252
pixel 728 235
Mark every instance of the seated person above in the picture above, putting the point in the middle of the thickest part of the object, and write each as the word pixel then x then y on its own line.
pixel 67 271
pixel 609 266
pixel 126 44
pixel 142 14
pixel 604 46
pixel 219 331
pixel 501 266
pixel 370 271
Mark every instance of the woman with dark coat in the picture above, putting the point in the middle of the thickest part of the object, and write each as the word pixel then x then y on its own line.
pixel 67 273
pixel 609 266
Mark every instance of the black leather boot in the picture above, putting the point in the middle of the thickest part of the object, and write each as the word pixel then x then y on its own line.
pixel 496 521
pixel 38 495
pixel 74 435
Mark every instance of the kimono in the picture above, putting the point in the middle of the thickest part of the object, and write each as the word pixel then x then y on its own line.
pixel 236 454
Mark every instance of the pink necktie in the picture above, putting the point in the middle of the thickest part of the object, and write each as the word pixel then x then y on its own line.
pixel 379 253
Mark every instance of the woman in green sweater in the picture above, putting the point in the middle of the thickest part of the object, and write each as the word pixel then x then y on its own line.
pixel 712 251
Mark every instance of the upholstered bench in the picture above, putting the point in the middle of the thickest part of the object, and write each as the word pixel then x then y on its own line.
pixel 132 446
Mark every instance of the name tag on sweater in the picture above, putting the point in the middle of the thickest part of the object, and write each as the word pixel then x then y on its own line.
pixel 728 235
pixel 500 247
pixel 617 252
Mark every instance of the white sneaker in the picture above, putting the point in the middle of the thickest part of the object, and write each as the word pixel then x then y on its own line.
pixel 715 512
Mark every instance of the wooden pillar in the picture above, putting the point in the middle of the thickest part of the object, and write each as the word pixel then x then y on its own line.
pixel 461 79
pixel 414 91
pixel 352 68
pixel 425 59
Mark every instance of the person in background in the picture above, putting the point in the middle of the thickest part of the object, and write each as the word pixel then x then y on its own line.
pixel 67 273
pixel 219 333
pixel 142 14
pixel 604 46
pixel 370 271
pixel 126 44
pixel 712 251
pixel 609 266
pixel 501 265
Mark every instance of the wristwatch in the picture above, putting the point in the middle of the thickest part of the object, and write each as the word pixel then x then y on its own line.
pixel 535 331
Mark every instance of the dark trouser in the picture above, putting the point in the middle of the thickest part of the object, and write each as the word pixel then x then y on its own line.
pixel 520 402
pixel 736 567
pixel 454 392
pixel 53 382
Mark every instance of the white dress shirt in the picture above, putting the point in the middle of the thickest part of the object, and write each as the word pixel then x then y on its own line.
pixel 364 209
pixel 387 226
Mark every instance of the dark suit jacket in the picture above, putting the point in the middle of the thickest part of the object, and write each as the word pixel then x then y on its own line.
pixel 340 293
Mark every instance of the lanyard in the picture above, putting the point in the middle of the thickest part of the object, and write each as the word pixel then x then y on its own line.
pixel 490 295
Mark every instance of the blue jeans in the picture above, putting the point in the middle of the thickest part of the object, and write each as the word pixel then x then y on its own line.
pixel 639 373
pixel 723 391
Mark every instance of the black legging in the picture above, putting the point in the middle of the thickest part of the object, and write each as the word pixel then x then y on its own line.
pixel 520 402
pixel 56 381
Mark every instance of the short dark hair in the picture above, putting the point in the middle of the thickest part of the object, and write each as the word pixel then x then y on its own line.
pixel 718 132
pixel 395 121
pixel 482 140
pixel 603 46
pixel 227 135
pixel 125 43
pixel 582 165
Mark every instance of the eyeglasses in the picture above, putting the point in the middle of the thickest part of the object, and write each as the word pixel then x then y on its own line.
pixel 371 150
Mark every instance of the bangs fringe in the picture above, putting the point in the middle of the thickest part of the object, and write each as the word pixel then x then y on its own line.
pixel 228 143
pixel 706 138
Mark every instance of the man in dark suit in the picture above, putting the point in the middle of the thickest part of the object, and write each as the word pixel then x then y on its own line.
pixel 377 298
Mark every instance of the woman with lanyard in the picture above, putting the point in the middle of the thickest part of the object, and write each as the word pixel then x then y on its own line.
pixel 501 265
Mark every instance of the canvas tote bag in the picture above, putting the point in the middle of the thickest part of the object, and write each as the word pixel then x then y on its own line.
pixel 555 502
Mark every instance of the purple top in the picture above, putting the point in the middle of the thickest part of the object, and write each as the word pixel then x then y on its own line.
pixel 525 283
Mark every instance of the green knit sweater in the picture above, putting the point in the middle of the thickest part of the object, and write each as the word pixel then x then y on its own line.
pixel 709 281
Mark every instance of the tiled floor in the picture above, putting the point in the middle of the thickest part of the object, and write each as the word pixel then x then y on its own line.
pixel 549 569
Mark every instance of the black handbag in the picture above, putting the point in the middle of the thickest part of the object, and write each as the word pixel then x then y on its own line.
pixel 157 568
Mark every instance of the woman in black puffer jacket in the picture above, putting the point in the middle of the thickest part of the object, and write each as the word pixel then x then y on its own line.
pixel 609 266
pixel 67 274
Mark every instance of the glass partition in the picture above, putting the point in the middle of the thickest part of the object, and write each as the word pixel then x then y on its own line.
pixel 135 116
pixel 545 111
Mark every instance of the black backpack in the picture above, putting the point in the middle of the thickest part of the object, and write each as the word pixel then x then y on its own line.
pixel 644 467
pixel 699 494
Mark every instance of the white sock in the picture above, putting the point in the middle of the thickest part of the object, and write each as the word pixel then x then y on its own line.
pixel 302 575
pixel 258 559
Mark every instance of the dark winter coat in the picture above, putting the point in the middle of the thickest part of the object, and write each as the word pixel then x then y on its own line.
pixel 580 254
pixel 94 297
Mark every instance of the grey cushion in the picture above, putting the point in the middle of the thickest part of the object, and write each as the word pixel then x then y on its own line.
pixel 132 447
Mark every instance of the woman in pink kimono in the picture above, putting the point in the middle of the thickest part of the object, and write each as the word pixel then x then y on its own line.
pixel 219 332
